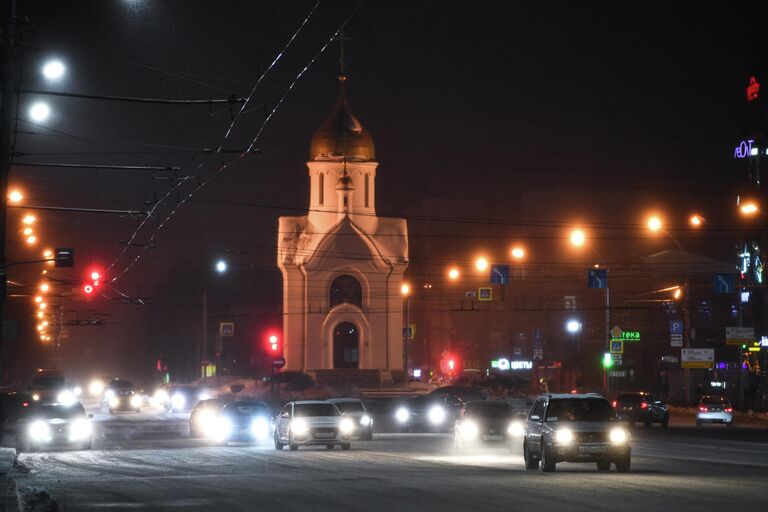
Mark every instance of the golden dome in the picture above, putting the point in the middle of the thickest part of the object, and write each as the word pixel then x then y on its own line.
pixel 341 135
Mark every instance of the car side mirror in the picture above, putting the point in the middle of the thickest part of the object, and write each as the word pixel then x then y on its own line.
pixel 535 417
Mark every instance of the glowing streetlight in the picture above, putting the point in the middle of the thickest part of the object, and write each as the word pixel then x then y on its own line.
pixel 577 237
pixel 453 274
pixel 15 196
pixel 677 293
pixel 40 314
pixel 42 305
pixel 45 287
pixel 518 253
pixel 221 266
pixel 696 220
pixel 39 112
pixel 405 289
pixel 749 208
pixel 38 299
pixel 573 326
pixel 31 240
pixel 28 219
pixel 45 323
pixel 654 223
pixel 53 69
pixel 26 231
pixel 481 263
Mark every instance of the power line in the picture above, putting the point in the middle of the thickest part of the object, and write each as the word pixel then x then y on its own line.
pixel 129 99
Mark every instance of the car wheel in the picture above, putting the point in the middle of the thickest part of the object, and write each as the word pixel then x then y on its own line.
pixel 623 464
pixel 278 444
pixel 291 445
pixel 603 466
pixel 547 461
pixel 346 446
pixel 530 462
pixel 665 421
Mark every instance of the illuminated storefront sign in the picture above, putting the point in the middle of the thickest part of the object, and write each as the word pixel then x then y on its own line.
pixel 745 149
pixel 753 89
pixel 504 364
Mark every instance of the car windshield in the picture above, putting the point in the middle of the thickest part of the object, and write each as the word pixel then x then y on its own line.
pixel 488 410
pixel 48 382
pixel 715 400
pixel 121 384
pixel 246 408
pixel 580 409
pixel 306 410
pixel 58 411
pixel 349 406
pixel 630 398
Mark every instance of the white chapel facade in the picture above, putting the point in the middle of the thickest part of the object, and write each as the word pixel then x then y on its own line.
pixel 342 265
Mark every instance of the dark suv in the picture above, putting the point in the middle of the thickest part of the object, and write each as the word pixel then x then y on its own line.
pixel 641 407
pixel 575 428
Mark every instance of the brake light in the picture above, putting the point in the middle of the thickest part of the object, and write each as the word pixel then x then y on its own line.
pixel 703 409
pixel 729 409
pixel 614 404
pixel 25 404
pixel 643 405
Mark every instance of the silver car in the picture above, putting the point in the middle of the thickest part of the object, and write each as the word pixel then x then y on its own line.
pixel 575 428
pixel 312 422
pixel 714 409
pixel 354 408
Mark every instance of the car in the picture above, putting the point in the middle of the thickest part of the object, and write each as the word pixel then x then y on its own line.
pixel 486 422
pixel 244 421
pixel 14 407
pixel 520 405
pixel 312 422
pixel 121 395
pixel 54 425
pixel 428 413
pixel 355 408
pixel 47 383
pixel 203 417
pixel 463 393
pixel 183 398
pixel 714 409
pixel 575 428
pixel 641 407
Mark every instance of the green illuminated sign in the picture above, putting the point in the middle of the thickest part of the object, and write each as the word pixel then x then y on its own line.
pixel 627 336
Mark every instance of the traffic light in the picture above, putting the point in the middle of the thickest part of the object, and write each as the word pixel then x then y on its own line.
pixel 274 344
pixel 607 360
pixel 92 282
pixel 451 364
pixel 88 289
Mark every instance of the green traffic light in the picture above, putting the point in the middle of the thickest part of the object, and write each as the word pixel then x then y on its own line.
pixel 607 360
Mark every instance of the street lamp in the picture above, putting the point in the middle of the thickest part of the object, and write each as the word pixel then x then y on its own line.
pixel 53 70
pixel 15 196
pixel 749 208
pixel 28 219
pixel 221 266
pixel 577 237
pixel 573 326
pixel 39 112
pixel 481 263
pixel 518 253
pixel 453 274
pixel 654 223
pixel 696 220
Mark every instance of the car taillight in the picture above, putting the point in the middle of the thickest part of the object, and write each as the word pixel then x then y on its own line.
pixel 614 404
pixel 703 409
pixel 25 404
pixel 729 409
pixel 644 405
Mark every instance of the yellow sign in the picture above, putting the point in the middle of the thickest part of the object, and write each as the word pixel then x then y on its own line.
pixel 485 293
pixel 696 364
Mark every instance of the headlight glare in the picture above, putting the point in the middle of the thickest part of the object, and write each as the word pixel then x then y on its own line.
pixel 260 428
pixel 402 415
pixel 80 430
pixel 468 430
pixel 220 428
pixel 516 429
pixel 346 426
pixel 39 432
pixel 365 420
pixel 96 387
pixel 177 401
pixel 619 436
pixel 66 398
pixel 299 427
pixel 436 415
pixel 564 436
pixel 113 402
pixel 109 393
pixel 136 401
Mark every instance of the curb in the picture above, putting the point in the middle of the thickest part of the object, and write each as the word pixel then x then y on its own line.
pixel 9 497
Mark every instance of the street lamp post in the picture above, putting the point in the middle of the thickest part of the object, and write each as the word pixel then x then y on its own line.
pixel 405 290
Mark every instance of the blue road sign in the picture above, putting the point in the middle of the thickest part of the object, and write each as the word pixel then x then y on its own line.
pixel 500 274
pixel 597 278
pixel 617 346
pixel 724 283
pixel 676 327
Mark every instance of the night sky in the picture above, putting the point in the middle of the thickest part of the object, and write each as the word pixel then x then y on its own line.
pixel 494 122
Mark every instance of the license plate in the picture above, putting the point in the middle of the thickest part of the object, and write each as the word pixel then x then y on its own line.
pixel 498 437
pixel 325 435
pixel 592 449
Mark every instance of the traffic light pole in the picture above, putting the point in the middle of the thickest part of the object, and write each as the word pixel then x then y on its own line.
pixel 6 80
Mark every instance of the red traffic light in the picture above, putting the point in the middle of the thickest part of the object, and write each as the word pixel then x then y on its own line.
pixel 88 289
pixel 273 343
pixel 451 364
pixel 95 276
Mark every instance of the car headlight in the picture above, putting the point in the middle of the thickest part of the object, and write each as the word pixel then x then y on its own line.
pixel 220 428
pixel 402 415
pixel 204 396
pixel 113 402
pixel 564 436
pixel 35 397
pixel 260 428
pixel 136 401
pixel 160 397
pixel 96 387
pixel 436 415
pixel 619 436
pixel 365 420
pixel 346 426
pixel 109 393
pixel 77 390
pixel 516 429
pixel 177 401
pixel 66 398
pixel 80 429
pixel 39 431
pixel 299 427
pixel 468 430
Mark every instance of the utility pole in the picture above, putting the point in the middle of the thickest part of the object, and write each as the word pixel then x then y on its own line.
pixel 6 80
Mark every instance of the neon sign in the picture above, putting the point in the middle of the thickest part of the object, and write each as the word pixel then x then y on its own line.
pixel 505 364
pixel 753 89
pixel 744 149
